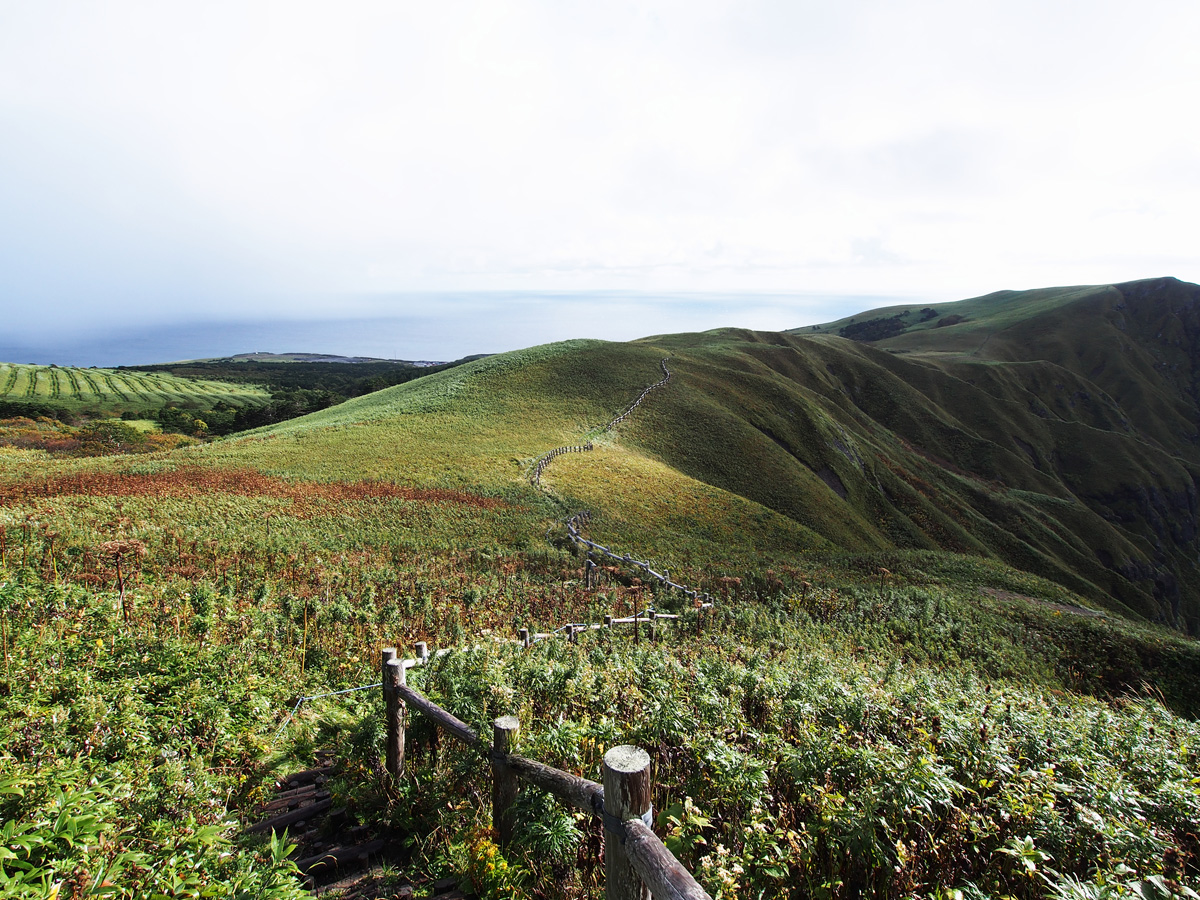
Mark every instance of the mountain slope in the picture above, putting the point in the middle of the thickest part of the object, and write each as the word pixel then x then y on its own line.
pixel 1050 430
pixel 1096 387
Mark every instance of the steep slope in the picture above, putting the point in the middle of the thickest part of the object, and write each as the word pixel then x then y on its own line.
pixel 1095 386
pixel 874 451
pixel 1126 355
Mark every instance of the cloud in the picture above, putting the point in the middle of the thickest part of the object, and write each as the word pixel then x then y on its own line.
pixel 87 229
pixel 256 156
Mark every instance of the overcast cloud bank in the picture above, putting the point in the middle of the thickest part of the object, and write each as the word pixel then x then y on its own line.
pixel 166 163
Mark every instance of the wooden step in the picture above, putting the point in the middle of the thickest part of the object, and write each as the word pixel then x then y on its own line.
pixel 305 777
pixel 339 856
pixel 289 818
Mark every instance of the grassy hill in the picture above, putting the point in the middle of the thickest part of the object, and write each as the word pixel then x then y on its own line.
pixel 1095 388
pixel 947 652
pixel 833 444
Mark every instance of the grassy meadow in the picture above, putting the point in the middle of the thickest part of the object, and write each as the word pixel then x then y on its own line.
pixel 917 680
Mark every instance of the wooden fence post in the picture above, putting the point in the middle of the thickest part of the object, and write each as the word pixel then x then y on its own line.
pixel 386 655
pixel 422 651
pixel 523 635
pixel 653 626
pixel 392 679
pixel 627 792
pixel 505 784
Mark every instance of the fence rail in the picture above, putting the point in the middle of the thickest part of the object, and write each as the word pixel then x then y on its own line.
pixel 539 465
pixel 575 522
pixel 637 865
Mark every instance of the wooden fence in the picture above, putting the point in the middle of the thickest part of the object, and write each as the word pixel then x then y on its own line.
pixel 540 464
pixel 577 521
pixel 637 865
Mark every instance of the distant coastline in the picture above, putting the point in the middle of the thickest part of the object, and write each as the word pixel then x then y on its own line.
pixel 432 327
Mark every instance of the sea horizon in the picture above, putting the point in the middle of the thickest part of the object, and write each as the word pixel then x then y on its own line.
pixel 437 328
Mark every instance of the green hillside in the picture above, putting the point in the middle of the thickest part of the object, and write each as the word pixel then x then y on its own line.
pixel 954 573
pixel 832 444
pixel 1095 390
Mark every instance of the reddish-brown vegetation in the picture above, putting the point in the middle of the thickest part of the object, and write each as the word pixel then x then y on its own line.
pixel 189 481
pixel 95 438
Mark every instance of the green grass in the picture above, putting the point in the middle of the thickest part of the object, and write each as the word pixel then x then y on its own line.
pixel 818 441
pixel 982 318
pixel 1075 418
pixel 901 738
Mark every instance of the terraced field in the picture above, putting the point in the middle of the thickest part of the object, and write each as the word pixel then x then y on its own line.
pixel 116 391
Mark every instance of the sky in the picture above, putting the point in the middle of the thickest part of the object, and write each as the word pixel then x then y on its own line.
pixel 476 177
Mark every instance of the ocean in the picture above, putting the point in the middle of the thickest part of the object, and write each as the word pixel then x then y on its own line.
pixel 434 327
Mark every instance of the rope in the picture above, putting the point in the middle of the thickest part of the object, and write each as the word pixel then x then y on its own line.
pixel 296 708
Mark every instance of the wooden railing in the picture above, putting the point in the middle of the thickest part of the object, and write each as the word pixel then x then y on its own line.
pixel 701 599
pixel 540 464
pixel 636 863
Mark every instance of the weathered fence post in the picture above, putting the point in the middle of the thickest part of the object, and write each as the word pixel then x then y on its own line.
pixel 393 677
pixel 505 784
pixel 523 635
pixel 627 792
pixel 422 652
pixel 386 655
pixel 653 626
